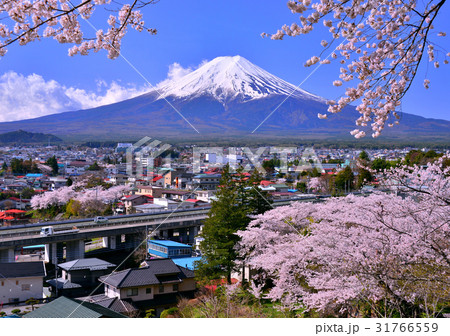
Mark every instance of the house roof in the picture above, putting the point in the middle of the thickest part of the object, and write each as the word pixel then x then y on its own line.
pixel 113 303
pixel 92 264
pixel 64 307
pixel 168 243
pixel 187 262
pixel 63 284
pixel 155 273
pixel 22 269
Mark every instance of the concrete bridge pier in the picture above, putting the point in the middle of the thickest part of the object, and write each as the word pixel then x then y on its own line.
pixel 110 242
pixel 75 250
pixel 132 241
pixel 7 256
pixel 54 253
pixel 193 232
pixel 183 236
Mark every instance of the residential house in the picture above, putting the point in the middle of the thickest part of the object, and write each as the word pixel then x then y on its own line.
pixel 132 201
pixel 149 190
pixel 158 285
pixel 79 277
pixel 21 281
pixel 206 181
pixel 205 195
pixel 64 307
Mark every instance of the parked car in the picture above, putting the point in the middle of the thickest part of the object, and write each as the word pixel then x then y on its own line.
pixel 100 219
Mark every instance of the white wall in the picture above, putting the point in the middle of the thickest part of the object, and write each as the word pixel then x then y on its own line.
pixel 12 288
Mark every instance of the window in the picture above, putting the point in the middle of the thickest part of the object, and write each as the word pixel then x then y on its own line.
pixel 25 287
pixel 148 290
pixel 132 292
pixel 175 287
pixel 161 288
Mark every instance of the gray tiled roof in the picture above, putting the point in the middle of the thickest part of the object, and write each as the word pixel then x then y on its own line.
pixel 91 264
pixel 155 273
pixel 22 269
pixel 63 283
pixel 64 307
pixel 120 306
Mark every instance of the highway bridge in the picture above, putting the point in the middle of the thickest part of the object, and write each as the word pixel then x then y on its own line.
pixel 118 232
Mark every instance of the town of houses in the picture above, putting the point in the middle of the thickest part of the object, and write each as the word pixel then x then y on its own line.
pixel 173 183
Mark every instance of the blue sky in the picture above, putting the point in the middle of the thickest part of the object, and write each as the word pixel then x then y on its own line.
pixel 189 32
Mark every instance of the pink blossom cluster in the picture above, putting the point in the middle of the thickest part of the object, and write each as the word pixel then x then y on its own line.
pixel 65 194
pixel 380 250
pixel 384 43
pixel 28 21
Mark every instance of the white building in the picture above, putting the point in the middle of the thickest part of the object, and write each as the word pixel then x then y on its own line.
pixel 21 281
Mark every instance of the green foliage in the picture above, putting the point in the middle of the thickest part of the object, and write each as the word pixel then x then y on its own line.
pixel 417 157
pixel 32 302
pixel 314 172
pixel 16 311
pixel 237 198
pixel 364 177
pixel 169 312
pixel 301 186
pixel 364 156
pixel 269 165
pixel 344 179
pixel 19 166
pixel 94 167
pixel 73 208
pixel 149 313
pixel 53 163
pixel 2 313
pixel 230 303
pixel 69 182
pixel 27 193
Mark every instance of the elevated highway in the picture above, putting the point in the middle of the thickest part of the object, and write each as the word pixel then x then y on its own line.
pixel 117 231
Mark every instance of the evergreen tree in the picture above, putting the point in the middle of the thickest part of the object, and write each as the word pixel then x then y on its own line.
pixel 344 179
pixel 237 198
pixel 364 156
pixel 94 167
pixel 69 182
pixel 53 163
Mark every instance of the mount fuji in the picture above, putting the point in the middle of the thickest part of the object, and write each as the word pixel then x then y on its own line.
pixel 228 96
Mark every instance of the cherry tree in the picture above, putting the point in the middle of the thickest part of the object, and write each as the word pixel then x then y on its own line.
pixel 380 44
pixel 379 255
pixel 76 192
pixel 25 21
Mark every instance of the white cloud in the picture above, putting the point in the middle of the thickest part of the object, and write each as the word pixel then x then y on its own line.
pixel 176 71
pixel 25 97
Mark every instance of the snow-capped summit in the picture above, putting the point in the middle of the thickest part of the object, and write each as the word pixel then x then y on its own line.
pixel 228 77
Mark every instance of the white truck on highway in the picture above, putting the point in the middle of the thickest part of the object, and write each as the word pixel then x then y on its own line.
pixel 49 231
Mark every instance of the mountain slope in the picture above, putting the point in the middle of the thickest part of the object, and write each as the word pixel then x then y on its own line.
pixel 228 96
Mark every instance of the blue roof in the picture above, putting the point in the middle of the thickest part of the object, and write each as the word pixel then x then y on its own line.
pixel 34 246
pixel 186 262
pixel 169 243
pixel 34 175
pixel 292 190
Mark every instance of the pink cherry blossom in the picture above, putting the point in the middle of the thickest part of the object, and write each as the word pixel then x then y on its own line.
pixel 387 251
pixel 381 42
pixel 29 21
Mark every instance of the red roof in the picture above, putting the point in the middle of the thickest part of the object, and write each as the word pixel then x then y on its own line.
pixel 15 211
pixel 266 183
pixel 157 178
pixel 8 218
pixel 193 200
